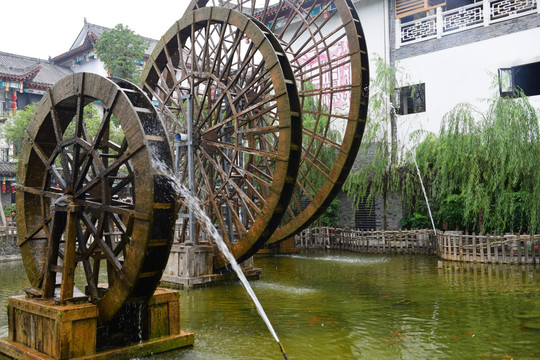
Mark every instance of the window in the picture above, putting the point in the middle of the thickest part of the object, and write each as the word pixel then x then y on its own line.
pixel 410 99
pixel 522 77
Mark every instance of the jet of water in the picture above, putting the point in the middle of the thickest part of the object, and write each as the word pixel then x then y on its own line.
pixel 425 195
pixel 216 236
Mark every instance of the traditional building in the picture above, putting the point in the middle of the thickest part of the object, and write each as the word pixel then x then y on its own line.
pixel 463 51
pixel 449 51
pixel 82 56
pixel 23 80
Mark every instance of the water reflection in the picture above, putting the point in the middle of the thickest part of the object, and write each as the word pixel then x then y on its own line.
pixel 354 306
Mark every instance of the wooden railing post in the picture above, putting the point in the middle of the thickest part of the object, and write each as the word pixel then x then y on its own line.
pixel 488 247
pixel 474 246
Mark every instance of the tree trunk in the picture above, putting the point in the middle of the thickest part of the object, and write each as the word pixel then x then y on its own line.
pixel 394 140
pixel 385 197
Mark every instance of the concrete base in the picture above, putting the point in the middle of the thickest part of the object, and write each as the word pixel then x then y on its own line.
pixel 41 329
pixel 192 266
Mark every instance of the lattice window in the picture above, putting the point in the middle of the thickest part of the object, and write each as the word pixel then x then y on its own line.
pixel 463 17
pixel 504 8
pixel 410 7
pixel 421 29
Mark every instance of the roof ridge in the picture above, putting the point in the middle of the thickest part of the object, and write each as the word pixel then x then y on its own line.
pixel 3 53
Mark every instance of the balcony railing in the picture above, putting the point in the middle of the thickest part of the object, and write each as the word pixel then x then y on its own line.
pixel 479 14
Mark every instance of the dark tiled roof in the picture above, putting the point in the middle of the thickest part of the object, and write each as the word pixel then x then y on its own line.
pixel 8 168
pixel 31 70
pixel 86 39
pixel 97 30
pixel 51 73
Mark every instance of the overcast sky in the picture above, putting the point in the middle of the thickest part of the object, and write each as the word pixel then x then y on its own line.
pixel 38 28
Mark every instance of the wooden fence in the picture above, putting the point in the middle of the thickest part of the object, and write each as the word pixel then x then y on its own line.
pixel 398 242
pixel 504 249
pixel 8 240
pixel 456 246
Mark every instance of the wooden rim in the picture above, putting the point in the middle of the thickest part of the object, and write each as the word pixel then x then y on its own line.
pixel 246 124
pixel 87 199
pixel 323 40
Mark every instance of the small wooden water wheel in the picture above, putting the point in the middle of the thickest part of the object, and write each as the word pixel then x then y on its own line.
pixel 246 120
pixel 95 195
pixel 326 47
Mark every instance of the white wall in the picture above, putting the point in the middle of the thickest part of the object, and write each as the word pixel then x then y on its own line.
pixel 465 74
pixel 92 66
pixel 374 24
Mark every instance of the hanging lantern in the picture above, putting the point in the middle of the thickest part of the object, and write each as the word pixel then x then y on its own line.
pixel 21 86
pixel 4 188
pixel 12 187
pixel 13 106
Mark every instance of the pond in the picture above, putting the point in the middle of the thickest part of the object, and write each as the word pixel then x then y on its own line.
pixel 339 305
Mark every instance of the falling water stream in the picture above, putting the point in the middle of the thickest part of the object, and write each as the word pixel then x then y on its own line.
pixel 202 217
pixel 425 195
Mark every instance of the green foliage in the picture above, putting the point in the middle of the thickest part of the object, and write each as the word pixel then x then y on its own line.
pixel 325 154
pixel 483 169
pixel 415 221
pixel 380 153
pixel 330 216
pixel 451 212
pixel 14 130
pixel 9 208
pixel 119 48
pixel 92 121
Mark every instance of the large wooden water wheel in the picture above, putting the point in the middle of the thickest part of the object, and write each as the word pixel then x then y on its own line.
pixel 325 44
pixel 95 194
pixel 246 120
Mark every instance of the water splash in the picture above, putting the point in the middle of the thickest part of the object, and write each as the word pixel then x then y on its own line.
pixel 341 259
pixel 214 233
pixel 278 288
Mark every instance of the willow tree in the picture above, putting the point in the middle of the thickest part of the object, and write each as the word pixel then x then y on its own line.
pixel 380 152
pixel 488 163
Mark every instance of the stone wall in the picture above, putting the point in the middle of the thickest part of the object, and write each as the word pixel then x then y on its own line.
pixel 395 212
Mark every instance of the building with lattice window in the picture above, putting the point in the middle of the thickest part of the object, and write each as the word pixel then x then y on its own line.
pixel 448 52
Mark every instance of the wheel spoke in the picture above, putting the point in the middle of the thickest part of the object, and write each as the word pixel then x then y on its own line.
pixel 73 188
pixel 328 54
pixel 110 170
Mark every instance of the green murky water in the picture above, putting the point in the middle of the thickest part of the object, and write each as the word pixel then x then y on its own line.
pixel 352 306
